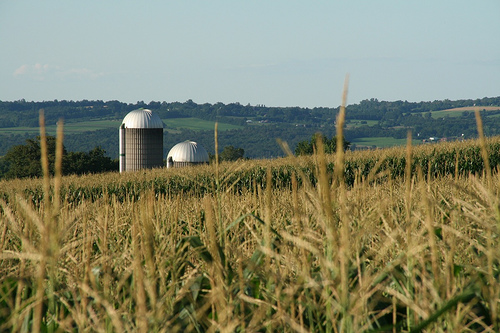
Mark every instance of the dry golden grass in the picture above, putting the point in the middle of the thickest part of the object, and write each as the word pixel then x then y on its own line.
pixel 415 253
pixel 111 264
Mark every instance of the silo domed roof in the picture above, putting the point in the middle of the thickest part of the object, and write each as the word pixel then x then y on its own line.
pixel 142 118
pixel 188 151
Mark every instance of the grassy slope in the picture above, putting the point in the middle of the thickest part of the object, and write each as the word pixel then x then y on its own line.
pixel 382 142
pixel 357 123
pixel 79 127
pixel 457 112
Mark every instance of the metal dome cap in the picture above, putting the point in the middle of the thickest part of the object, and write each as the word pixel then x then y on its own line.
pixel 142 118
pixel 188 151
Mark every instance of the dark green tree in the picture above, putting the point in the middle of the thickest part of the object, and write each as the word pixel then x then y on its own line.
pixel 309 147
pixel 94 161
pixel 304 148
pixel 230 153
pixel 24 160
pixel 4 167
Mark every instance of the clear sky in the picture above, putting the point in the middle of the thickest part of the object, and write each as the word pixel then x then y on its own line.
pixel 271 52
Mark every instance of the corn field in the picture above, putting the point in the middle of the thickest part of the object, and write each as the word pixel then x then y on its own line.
pixel 455 159
pixel 395 240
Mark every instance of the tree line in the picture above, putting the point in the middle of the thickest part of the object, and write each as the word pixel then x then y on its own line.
pixel 260 125
pixel 25 113
pixel 23 161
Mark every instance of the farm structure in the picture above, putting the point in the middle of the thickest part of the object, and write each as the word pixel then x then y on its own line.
pixel 187 153
pixel 141 141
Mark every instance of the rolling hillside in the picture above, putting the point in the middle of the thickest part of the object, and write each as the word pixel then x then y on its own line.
pixel 371 123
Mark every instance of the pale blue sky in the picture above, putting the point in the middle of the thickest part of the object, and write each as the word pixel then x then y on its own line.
pixel 277 53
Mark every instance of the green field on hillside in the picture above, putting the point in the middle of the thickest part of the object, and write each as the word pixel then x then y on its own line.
pixel 359 123
pixel 458 112
pixel 380 142
pixel 195 124
pixel 445 113
pixel 69 128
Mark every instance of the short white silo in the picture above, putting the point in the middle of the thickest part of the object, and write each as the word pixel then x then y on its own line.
pixel 141 141
pixel 187 153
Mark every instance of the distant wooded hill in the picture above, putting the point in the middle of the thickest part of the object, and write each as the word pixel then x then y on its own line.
pixel 254 128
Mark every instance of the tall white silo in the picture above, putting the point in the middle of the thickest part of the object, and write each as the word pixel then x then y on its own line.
pixel 141 141
pixel 187 153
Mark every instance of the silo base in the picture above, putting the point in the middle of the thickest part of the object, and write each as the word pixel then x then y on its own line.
pixel 143 148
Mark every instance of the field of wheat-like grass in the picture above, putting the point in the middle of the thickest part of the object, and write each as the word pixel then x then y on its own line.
pixel 403 239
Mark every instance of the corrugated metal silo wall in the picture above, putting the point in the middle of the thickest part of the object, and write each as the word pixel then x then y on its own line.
pixel 144 148
pixel 185 164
